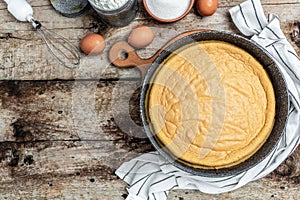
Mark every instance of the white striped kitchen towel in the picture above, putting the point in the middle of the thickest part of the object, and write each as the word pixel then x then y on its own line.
pixel 151 177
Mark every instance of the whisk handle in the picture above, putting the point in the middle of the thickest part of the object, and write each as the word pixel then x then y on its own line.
pixel 20 9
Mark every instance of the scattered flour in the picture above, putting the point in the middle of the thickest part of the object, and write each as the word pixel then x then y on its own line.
pixel 109 4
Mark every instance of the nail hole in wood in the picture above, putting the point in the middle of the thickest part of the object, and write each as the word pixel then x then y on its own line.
pixel 28 160
pixel 123 55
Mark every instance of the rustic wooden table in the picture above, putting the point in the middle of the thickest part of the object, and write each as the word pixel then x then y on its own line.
pixel 64 132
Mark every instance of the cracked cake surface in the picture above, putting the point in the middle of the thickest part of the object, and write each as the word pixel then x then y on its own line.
pixel 211 105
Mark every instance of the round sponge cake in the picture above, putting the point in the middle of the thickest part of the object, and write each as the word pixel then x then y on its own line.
pixel 211 105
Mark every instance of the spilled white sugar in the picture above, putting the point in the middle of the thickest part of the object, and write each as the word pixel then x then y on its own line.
pixel 109 4
pixel 168 9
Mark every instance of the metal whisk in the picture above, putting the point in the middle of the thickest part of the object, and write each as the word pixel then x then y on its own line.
pixel 62 49
pixel 65 52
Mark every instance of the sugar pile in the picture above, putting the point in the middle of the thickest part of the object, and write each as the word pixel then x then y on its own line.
pixel 168 9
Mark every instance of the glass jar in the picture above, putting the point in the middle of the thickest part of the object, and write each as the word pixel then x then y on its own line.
pixel 118 17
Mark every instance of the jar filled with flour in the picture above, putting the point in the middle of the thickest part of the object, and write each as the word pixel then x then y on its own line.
pixel 115 12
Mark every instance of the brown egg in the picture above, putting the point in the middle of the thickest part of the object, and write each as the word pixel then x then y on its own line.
pixel 207 7
pixel 92 44
pixel 141 37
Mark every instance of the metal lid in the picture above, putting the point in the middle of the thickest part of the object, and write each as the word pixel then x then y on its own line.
pixel 71 8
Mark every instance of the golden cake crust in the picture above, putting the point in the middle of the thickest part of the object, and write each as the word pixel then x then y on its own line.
pixel 211 104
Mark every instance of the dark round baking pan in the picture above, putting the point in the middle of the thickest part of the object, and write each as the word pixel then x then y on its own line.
pixel 276 78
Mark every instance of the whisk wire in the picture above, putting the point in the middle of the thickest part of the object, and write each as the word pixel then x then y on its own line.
pixel 50 43
pixel 65 43
pixel 64 52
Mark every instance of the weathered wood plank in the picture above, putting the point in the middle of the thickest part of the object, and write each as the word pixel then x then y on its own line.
pixel 25 57
pixel 62 158
pixel 51 167
pixel 72 169
pixel 81 188
pixel 67 110
pixel 262 189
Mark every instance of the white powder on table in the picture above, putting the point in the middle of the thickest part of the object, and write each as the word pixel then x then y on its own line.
pixel 109 4
pixel 168 9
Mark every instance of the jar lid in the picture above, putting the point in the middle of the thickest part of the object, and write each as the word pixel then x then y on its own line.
pixel 168 10
pixel 73 8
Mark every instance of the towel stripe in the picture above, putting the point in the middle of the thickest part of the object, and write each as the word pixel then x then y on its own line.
pixel 165 193
pixel 164 164
pixel 294 54
pixel 174 186
pixel 172 172
pixel 241 10
pixel 271 44
pixel 226 179
pixel 162 180
pixel 282 60
pixel 272 32
pixel 269 161
pixel 269 18
pixel 153 153
pixel 256 14
pixel 229 185
pixel 294 99
pixel 154 196
pixel 145 163
pixel 291 106
pixel 143 178
pixel 130 170
pixel 291 111
pixel 143 184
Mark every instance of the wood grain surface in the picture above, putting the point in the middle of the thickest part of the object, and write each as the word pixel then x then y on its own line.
pixel 64 132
